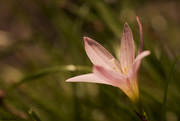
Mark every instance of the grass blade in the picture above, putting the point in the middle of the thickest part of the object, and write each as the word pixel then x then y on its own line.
pixel 166 89
pixel 47 71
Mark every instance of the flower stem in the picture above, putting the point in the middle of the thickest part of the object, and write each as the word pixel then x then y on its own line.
pixel 140 116
pixel 140 111
pixel 34 115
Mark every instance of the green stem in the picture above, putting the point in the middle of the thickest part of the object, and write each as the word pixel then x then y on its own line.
pixel 138 109
pixel 140 116
pixel 141 113
pixel 166 89
pixel 34 115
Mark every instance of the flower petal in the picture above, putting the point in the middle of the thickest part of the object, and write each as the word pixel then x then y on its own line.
pixel 141 36
pixel 99 55
pixel 136 64
pixel 111 76
pixel 118 80
pixel 127 48
pixel 92 78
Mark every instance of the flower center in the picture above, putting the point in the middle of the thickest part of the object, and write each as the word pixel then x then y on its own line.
pixel 126 70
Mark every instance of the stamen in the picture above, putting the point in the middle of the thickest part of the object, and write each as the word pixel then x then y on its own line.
pixel 114 64
pixel 126 70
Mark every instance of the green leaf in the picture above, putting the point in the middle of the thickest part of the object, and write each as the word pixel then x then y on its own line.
pixel 48 71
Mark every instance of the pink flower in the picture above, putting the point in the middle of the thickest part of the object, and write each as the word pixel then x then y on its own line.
pixel 107 70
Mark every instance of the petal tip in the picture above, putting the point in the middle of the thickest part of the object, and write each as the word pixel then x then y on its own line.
pixel 88 40
pixel 126 24
pixel 126 28
pixel 85 38
pixel 137 18
pixel 67 80
pixel 148 52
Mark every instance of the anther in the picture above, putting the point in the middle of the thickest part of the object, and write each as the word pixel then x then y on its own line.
pixel 126 70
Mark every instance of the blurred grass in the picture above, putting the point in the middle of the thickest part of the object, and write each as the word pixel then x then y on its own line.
pixel 166 88
pixel 39 37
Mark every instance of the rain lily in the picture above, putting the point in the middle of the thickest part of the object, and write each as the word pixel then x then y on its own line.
pixel 107 70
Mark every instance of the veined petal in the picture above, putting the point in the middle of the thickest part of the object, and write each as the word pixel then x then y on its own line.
pixel 88 78
pixel 118 80
pixel 99 55
pixel 136 64
pixel 111 76
pixel 141 36
pixel 127 48
pixel 132 91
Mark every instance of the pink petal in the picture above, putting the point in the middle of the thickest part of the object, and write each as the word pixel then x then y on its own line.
pixel 92 78
pixel 127 48
pixel 99 55
pixel 111 76
pixel 136 64
pixel 141 36
pixel 118 80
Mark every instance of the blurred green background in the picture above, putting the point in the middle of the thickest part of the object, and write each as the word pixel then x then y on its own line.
pixel 41 45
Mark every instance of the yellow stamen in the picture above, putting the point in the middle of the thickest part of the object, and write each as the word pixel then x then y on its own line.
pixel 126 70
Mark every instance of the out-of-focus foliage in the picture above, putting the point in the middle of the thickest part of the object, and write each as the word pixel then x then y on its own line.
pixel 41 45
